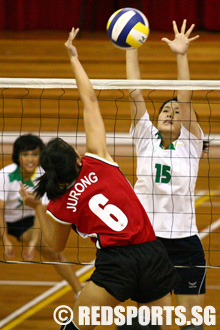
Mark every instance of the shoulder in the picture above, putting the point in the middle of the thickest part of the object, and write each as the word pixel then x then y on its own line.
pixel 192 144
pixel 187 135
pixel 93 158
pixel 7 180
pixel 143 120
pixel 143 127
pixel 8 170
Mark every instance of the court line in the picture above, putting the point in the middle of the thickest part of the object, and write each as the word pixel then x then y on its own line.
pixel 29 283
pixel 213 287
pixel 203 233
pixel 58 290
pixel 205 196
pixel 203 199
pixel 214 204
pixel 44 299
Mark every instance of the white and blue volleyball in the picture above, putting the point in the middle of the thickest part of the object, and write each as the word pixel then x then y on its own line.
pixel 128 28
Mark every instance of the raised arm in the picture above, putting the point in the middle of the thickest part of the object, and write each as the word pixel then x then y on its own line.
pixel 137 104
pixel 180 46
pixel 94 126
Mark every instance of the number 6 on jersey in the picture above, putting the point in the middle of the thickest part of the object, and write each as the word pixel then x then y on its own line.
pixel 111 215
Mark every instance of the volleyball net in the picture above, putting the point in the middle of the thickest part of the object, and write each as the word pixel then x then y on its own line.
pixel 51 108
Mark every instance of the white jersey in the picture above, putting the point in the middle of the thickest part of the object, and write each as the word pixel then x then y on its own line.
pixel 9 192
pixel 166 179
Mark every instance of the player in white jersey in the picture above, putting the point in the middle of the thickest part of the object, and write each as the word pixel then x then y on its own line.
pixel 167 167
pixel 19 220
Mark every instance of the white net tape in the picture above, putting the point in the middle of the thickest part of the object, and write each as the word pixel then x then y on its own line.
pixel 112 84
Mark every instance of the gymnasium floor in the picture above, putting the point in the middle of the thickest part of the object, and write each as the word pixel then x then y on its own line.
pixel 26 302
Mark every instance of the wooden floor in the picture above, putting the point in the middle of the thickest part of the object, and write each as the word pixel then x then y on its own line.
pixel 42 55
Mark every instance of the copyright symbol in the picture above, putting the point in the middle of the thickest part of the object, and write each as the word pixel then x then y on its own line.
pixel 58 315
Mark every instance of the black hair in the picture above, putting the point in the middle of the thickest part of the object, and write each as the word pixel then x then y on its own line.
pixel 58 159
pixel 167 101
pixel 206 143
pixel 25 143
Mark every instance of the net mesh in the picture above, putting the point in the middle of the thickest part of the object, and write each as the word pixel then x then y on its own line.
pixel 50 108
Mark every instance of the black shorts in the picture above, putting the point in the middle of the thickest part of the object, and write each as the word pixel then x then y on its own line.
pixel 17 228
pixel 187 252
pixel 140 272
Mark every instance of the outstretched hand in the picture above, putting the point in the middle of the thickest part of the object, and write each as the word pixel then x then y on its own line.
pixel 181 41
pixel 69 43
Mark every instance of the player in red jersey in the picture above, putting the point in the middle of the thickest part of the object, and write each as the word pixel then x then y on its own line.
pixel 92 196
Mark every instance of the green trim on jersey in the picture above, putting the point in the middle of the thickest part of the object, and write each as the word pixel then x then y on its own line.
pixel 171 146
pixel 16 176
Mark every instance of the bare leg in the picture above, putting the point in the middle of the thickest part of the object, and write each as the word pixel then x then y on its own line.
pixel 92 295
pixel 165 301
pixel 64 270
pixel 189 301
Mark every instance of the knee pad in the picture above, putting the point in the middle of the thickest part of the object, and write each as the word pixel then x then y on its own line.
pixel 193 327
pixel 69 326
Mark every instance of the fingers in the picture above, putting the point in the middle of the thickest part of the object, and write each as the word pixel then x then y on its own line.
pixel 190 30
pixel 23 186
pixel 175 29
pixel 183 27
pixel 194 38
pixel 72 36
pixel 75 32
pixel 166 40
pixel 187 34
pixel 23 191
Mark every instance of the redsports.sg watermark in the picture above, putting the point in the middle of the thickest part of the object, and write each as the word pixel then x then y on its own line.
pixel 106 315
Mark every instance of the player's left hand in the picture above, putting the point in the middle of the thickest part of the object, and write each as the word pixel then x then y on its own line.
pixel 72 51
pixel 181 41
pixel 29 198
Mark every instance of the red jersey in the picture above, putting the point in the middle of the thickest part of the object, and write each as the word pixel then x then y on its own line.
pixel 102 205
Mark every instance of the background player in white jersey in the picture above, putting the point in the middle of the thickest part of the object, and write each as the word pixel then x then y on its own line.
pixel 20 221
pixel 91 195
pixel 167 168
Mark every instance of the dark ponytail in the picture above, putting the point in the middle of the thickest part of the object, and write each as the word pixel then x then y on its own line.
pixel 48 184
pixel 206 145
pixel 58 160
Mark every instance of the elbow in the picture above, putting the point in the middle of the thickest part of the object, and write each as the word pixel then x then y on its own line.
pixel 57 248
pixel 184 96
pixel 91 97
pixel 136 95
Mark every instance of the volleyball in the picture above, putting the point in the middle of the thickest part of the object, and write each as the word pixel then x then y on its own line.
pixel 128 28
